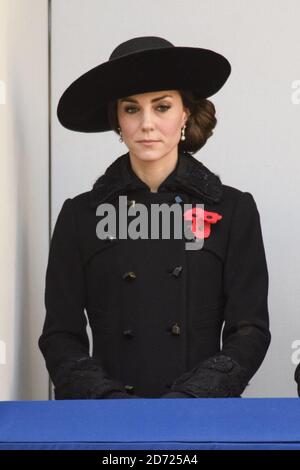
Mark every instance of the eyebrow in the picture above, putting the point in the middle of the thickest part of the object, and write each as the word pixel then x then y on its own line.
pixel 131 100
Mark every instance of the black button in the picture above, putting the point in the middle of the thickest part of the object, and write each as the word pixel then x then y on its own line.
pixel 128 333
pixel 175 329
pixel 110 238
pixel 130 203
pixel 130 276
pixel 168 385
pixel 177 271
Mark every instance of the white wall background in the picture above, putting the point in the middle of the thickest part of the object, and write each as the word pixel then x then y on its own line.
pixel 24 195
pixel 255 148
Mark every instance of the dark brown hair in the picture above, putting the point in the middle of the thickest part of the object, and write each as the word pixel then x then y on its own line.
pixel 199 126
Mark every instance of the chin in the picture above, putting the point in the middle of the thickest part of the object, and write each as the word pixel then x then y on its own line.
pixel 150 154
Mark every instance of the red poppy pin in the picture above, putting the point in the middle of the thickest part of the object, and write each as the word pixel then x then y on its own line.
pixel 198 215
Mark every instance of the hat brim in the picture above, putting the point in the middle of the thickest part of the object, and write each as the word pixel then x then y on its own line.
pixel 83 105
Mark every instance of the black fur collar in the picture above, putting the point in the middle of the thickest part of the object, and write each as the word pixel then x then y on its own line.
pixel 190 176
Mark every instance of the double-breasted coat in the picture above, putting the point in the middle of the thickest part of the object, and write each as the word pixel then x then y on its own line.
pixel 156 310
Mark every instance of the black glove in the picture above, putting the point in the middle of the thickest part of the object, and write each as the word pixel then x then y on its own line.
pixel 297 378
pixel 217 377
pixel 86 379
pixel 177 395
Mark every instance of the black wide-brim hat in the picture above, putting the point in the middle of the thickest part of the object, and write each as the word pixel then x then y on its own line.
pixel 139 65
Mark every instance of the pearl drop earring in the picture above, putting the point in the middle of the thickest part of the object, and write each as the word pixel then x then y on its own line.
pixel 182 133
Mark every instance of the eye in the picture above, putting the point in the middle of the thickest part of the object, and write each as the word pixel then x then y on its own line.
pixel 131 109
pixel 165 107
pixel 128 108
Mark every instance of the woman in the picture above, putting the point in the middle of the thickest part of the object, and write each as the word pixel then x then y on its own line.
pixel 156 306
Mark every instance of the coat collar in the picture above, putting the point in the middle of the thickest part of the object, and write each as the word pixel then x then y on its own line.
pixel 189 176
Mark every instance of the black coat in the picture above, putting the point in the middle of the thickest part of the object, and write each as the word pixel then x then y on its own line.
pixel 156 310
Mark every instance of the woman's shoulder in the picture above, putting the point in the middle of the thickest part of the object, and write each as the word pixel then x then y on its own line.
pixel 232 193
pixel 240 203
pixel 209 179
pixel 236 196
pixel 81 201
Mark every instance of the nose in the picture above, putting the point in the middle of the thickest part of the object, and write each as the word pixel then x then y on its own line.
pixel 147 121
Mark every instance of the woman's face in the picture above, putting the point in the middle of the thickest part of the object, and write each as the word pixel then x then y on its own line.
pixel 157 116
